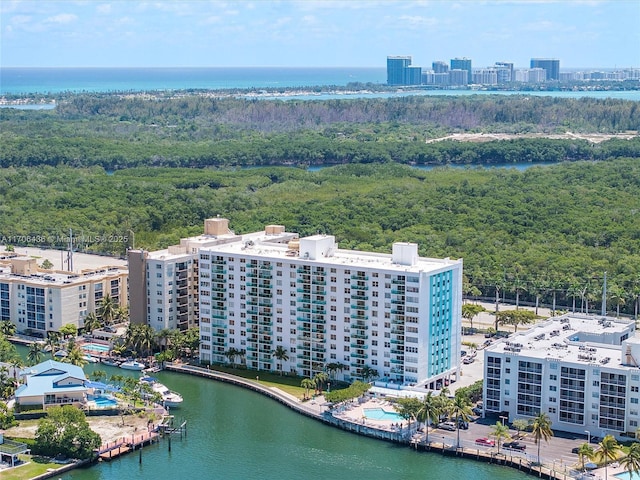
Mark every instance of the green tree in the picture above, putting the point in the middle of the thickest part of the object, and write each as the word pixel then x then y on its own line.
pixel 320 379
pixel 460 411
pixel 631 462
pixel 53 342
pixel 608 450
pixel 500 431
pixel 470 311
pixel 541 430
pixel 515 317
pixel 520 424
pixel 107 309
pixel 7 328
pixel 585 452
pixel 307 384
pixel 367 373
pixel 7 420
pixel 429 412
pixel 280 354
pixel 69 330
pixel 34 356
pixel 409 409
pixel 91 322
pixel 47 265
pixel 66 431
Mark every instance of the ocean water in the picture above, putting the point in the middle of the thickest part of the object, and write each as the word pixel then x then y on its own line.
pixel 56 80
pixel 23 81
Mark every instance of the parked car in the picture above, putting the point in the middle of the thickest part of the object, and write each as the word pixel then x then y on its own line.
pixel 477 410
pixel 596 439
pixel 447 426
pixel 514 446
pixel 575 450
pixel 468 360
pixel 463 425
pixel 463 353
pixel 485 442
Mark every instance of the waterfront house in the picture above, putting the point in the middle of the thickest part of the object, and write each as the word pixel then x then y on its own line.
pixel 51 383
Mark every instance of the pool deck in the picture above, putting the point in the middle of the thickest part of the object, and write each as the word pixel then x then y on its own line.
pixel 354 412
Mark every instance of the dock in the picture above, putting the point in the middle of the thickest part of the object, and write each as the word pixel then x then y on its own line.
pixel 123 445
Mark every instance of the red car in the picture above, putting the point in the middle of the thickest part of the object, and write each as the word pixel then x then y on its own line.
pixel 485 442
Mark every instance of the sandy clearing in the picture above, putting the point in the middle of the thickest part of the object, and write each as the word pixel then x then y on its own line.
pixel 488 137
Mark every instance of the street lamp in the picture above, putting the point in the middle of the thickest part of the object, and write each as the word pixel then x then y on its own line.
pixel 588 436
pixel 503 418
pixel 328 387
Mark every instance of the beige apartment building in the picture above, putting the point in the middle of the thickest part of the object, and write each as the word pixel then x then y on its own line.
pixel 38 301
pixel 163 287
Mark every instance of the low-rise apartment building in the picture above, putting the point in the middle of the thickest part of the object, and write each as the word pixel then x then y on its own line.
pixel 581 370
pixel 39 301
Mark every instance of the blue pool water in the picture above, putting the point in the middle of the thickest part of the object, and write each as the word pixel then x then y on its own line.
pixel 95 347
pixel 627 476
pixel 104 402
pixel 382 414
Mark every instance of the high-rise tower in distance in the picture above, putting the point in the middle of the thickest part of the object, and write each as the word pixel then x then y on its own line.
pixel 551 65
pixel 463 64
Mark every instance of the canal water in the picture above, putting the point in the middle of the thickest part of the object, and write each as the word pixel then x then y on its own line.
pixel 234 433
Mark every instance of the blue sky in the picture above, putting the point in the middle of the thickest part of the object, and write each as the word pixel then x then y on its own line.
pixel 316 33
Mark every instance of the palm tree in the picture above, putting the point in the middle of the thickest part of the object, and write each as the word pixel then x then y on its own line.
pixel 231 354
pixel 631 462
pixel 367 373
pixel 585 451
pixel 280 354
pixel 75 356
pixel 35 353
pixel 53 342
pixel 320 378
pixel 98 375
pixel 7 328
pixel 429 412
pixel 91 323
pixel 460 411
pixel 107 309
pixel 146 338
pixel 307 384
pixel 541 429
pixel 500 431
pixel 607 451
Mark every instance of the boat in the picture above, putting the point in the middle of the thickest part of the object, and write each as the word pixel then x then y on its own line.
pixel 133 365
pixel 169 398
pixel 90 359
pixel 111 362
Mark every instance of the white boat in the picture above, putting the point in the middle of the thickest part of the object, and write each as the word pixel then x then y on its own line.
pixel 90 359
pixel 110 362
pixel 133 365
pixel 169 398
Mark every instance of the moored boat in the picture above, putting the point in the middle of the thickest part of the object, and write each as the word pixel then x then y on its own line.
pixel 133 365
pixel 169 398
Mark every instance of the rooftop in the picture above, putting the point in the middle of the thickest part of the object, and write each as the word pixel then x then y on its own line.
pixel 574 337
pixel 270 246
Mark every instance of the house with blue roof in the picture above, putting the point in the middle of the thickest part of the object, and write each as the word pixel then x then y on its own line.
pixel 52 383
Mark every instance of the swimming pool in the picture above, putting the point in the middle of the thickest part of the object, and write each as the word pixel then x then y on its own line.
pixel 382 414
pixel 627 476
pixel 101 401
pixel 95 347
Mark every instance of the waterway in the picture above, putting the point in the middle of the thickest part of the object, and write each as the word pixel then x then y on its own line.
pixel 233 433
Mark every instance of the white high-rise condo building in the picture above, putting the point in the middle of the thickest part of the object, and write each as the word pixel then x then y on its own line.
pixel 343 311
pixel 581 370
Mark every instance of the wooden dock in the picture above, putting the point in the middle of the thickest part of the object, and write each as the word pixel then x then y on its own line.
pixel 123 445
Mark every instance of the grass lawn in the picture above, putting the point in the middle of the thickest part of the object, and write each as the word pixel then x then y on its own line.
pixel 36 466
pixel 286 383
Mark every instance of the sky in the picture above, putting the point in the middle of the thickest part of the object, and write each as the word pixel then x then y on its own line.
pixel 316 33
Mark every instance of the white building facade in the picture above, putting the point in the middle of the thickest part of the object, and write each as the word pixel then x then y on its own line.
pixel 581 370
pixel 331 309
pixel 38 301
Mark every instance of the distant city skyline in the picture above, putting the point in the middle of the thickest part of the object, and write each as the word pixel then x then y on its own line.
pixel 317 33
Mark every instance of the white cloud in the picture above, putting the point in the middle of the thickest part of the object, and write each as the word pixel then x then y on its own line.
pixel 417 21
pixel 104 9
pixel 62 18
